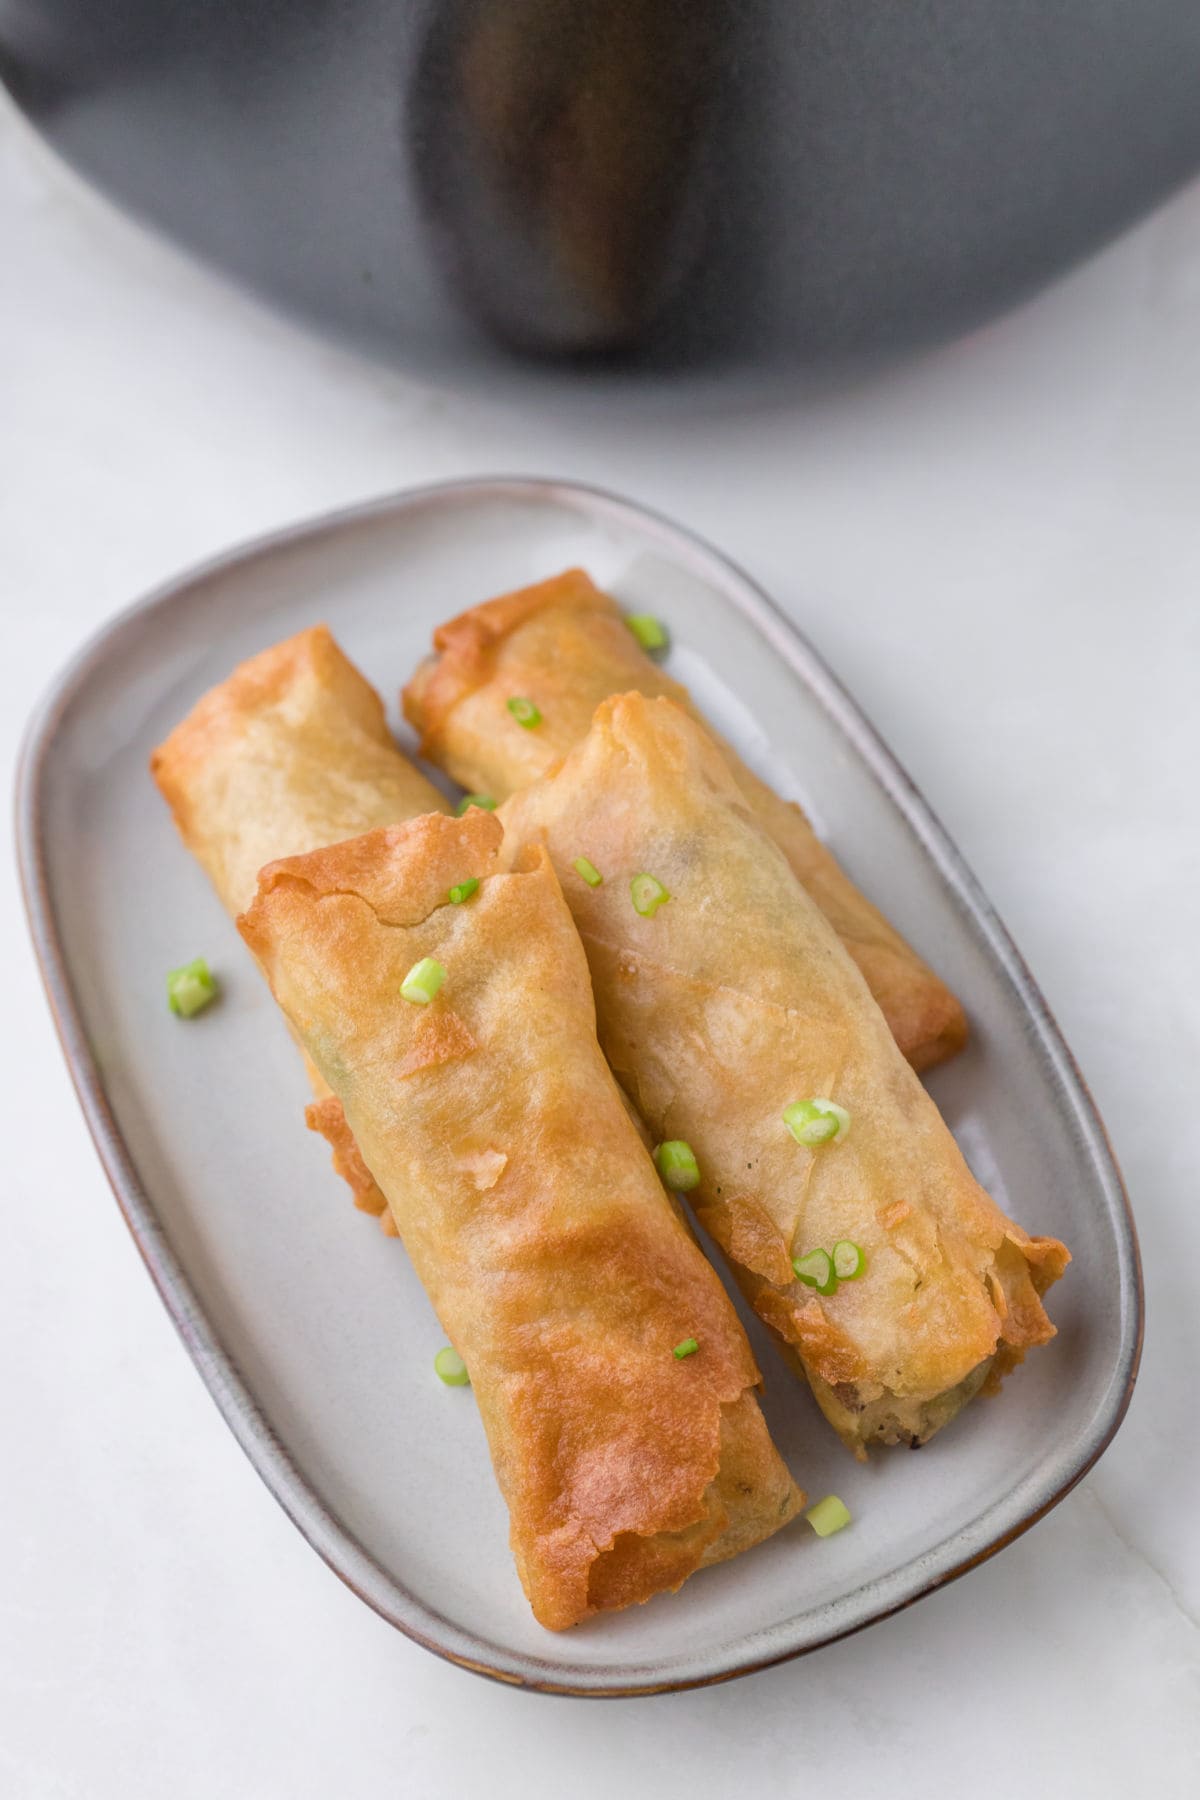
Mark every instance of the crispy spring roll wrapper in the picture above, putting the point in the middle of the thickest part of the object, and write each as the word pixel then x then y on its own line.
pixel 733 1000
pixel 289 754
pixel 565 645
pixel 530 1208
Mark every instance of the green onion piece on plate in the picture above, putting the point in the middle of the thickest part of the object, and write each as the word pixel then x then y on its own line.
pixel 816 1270
pixel 648 895
pixel 462 890
pixel 451 1368
pixel 848 1261
pixel 423 981
pixel 524 712
pixel 483 801
pixel 677 1165
pixel 191 989
pixel 650 632
pixel 688 1347
pixel 828 1515
pixel 588 870
pixel 816 1121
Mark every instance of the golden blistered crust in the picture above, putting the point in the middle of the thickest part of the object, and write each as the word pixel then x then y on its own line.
pixel 564 645
pixel 290 752
pixel 531 1211
pixel 469 649
pixel 325 1116
pixel 734 999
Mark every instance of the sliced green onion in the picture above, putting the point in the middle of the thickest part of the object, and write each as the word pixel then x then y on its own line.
pixel 828 1515
pixel 808 1125
pixel 650 632
pixel 451 1367
pixel 678 1166
pixel 688 1347
pixel 848 1260
pixel 423 981
pixel 484 801
pixel 648 895
pixel 524 712
pixel 816 1121
pixel 816 1271
pixel 588 870
pixel 190 989
pixel 462 890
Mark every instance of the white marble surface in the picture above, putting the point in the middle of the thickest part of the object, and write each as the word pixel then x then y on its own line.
pixel 999 550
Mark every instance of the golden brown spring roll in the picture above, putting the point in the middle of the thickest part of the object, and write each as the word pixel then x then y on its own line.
pixel 529 1206
pixel 733 999
pixel 564 645
pixel 291 753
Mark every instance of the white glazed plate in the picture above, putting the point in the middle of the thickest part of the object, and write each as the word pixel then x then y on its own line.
pixel 308 1326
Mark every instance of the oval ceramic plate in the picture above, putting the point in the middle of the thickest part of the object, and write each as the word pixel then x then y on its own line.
pixel 308 1326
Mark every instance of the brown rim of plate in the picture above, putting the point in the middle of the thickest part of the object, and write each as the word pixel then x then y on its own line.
pixel 328 1537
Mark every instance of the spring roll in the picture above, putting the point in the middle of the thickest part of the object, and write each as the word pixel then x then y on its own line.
pixel 529 1207
pixel 721 1006
pixel 291 753
pixel 564 645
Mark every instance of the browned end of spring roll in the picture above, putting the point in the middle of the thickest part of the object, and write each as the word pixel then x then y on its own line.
pixel 291 752
pixel 564 645
pixel 529 1207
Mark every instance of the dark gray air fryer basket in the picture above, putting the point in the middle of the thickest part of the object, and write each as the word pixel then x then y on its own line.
pixel 708 185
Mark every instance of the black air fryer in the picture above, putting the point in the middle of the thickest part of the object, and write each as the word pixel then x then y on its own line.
pixel 714 186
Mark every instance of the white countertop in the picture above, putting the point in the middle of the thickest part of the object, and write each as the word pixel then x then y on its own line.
pixel 999 552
